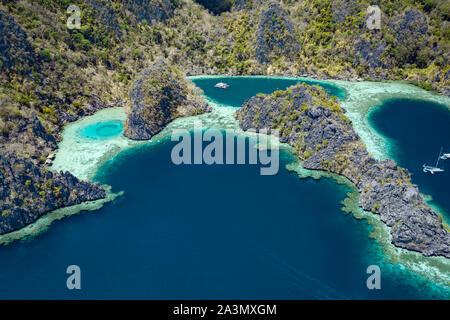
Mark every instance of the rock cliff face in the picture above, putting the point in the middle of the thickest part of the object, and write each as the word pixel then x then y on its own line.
pixel 16 53
pixel 411 27
pixel 28 191
pixel 239 5
pixel 369 53
pixel 322 136
pixel 409 37
pixel 410 31
pixel 104 12
pixel 151 10
pixel 159 96
pixel 27 188
pixel 342 9
pixel 275 35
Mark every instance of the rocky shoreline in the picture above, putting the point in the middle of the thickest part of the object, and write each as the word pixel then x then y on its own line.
pixel 445 91
pixel 28 191
pixel 323 138
pixel 160 95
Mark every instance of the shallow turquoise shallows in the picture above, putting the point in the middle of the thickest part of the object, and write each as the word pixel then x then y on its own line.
pixel 242 88
pixel 102 130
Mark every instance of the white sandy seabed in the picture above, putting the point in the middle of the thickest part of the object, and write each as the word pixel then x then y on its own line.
pixel 83 156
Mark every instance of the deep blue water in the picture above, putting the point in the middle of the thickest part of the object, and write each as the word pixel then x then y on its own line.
pixel 242 88
pixel 207 232
pixel 416 131
pixel 199 231
pixel 102 130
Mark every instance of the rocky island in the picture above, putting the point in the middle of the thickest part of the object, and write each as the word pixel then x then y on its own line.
pixel 159 95
pixel 323 138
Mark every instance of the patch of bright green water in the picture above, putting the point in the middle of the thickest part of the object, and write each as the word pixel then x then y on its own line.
pixel 81 151
pixel 102 130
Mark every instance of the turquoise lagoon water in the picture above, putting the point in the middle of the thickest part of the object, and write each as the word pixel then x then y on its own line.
pixel 242 88
pixel 208 232
pixel 102 130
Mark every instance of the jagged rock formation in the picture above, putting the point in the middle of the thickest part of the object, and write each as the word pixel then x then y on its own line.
pixel 27 188
pixel 410 30
pixel 343 9
pixel 408 37
pixel 410 27
pixel 27 191
pixel 159 96
pixel 39 132
pixel 370 53
pixel 16 53
pixel 105 14
pixel 324 139
pixel 153 10
pixel 26 136
pixel 240 5
pixel 275 35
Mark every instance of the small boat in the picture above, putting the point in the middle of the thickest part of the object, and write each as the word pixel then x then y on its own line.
pixel 221 85
pixel 445 156
pixel 436 168
pixel 432 169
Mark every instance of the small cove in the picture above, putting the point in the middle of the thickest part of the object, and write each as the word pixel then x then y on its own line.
pixel 242 88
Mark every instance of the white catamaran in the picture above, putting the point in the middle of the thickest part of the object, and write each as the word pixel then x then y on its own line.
pixel 445 156
pixel 436 168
